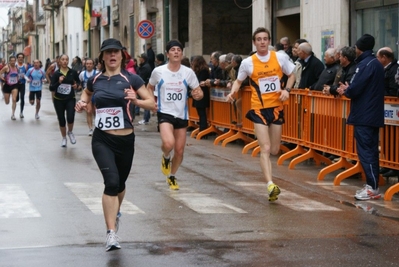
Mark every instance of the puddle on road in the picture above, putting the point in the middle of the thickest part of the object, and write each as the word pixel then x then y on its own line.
pixel 368 208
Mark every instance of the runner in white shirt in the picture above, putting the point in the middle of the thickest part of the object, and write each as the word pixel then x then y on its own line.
pixel 35 76
pixel 84 77
pixel 172 82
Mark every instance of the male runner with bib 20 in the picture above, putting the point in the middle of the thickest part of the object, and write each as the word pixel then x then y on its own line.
pixel 265 70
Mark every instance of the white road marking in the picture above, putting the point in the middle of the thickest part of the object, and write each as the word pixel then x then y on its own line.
pixel 15 203
pixel 203 203
pixel 288 199
pixel 91 195
pixel 326 183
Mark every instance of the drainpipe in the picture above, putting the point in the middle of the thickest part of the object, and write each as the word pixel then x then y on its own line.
pixel 166 21
pixel 37 34
pixel 53 31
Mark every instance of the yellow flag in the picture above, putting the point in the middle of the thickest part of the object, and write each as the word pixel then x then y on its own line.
pixel 86 16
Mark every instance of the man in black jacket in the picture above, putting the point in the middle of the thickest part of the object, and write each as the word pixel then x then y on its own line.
pixel 311 66
pixel 150 56
pixel 328 74
pixel 145 74
pixel 346 60
pixel 386 57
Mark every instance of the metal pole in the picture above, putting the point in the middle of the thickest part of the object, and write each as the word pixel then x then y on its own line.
pixel 37 44
pixel 53 30
pixel 166 21
pixel 37 34
pixel 89 38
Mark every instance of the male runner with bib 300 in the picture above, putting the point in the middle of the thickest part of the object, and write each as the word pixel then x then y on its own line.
pixel 171 82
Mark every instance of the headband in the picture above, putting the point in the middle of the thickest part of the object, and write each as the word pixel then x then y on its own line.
pixel 172 44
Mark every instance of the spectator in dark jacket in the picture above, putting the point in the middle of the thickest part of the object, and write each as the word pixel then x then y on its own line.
pixel 386 57
pixel 159 60
pixel 201 69
pixel 285 42
pixel 145 74
pixel 311 66
pixel 366 92
pixel 327 76
pixel 77 64
pixel 150 56
pixel 216 71
pixel 347 62
pixel 144 68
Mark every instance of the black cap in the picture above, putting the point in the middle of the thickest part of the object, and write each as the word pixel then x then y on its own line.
pixel 160 57
pixel 366 42
pixel 143 55
pixel 111 43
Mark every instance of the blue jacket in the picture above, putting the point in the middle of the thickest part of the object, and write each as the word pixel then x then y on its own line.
pixel 366 92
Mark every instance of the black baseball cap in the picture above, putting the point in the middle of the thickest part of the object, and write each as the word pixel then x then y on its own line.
pixel 143 55
pixel 111 43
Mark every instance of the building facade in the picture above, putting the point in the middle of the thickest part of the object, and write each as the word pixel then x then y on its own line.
pixel 203 26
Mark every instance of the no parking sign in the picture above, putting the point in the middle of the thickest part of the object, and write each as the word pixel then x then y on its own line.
pixel 145 29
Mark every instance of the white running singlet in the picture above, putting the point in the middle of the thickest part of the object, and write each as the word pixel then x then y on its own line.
pixel 172 89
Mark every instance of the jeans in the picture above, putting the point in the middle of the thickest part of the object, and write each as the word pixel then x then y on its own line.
pixel 147 115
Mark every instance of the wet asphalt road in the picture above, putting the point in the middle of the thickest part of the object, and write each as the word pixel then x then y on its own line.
pixel 50 206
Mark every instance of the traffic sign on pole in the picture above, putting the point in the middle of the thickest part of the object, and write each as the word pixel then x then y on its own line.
pixel 145 29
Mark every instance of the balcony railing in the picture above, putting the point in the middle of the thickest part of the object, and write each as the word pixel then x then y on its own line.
pixel 49 4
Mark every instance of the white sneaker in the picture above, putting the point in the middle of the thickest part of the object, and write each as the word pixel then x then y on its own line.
pixel 21 115
pixel 143 122
pixel 112 241
pixel 37 116
pixel 90 132
pixel 72 138
pixel 63 142
pixel 367 193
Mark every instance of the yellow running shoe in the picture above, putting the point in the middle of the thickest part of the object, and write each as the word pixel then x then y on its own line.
pixel 165 166
pixel 273 191
pixel 172 183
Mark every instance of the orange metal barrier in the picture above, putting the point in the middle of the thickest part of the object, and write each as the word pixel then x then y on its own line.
pixel 315 123
pixel 389 140
pixel 193 117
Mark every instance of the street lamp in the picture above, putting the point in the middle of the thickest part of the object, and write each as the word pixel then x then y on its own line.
pixel 53 29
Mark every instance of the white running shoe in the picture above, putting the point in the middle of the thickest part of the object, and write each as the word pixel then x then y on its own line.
pixel 63 142
pixel 72 138
pixel 367 193
pixel 21 115
pixel 143 122
pixel 37 116
pixel 90 132
pixel 112 241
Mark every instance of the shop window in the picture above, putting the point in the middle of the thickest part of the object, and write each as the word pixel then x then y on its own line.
pixel 382 23
pixel 282 4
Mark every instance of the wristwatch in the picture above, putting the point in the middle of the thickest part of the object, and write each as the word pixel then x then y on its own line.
pixel 287 89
